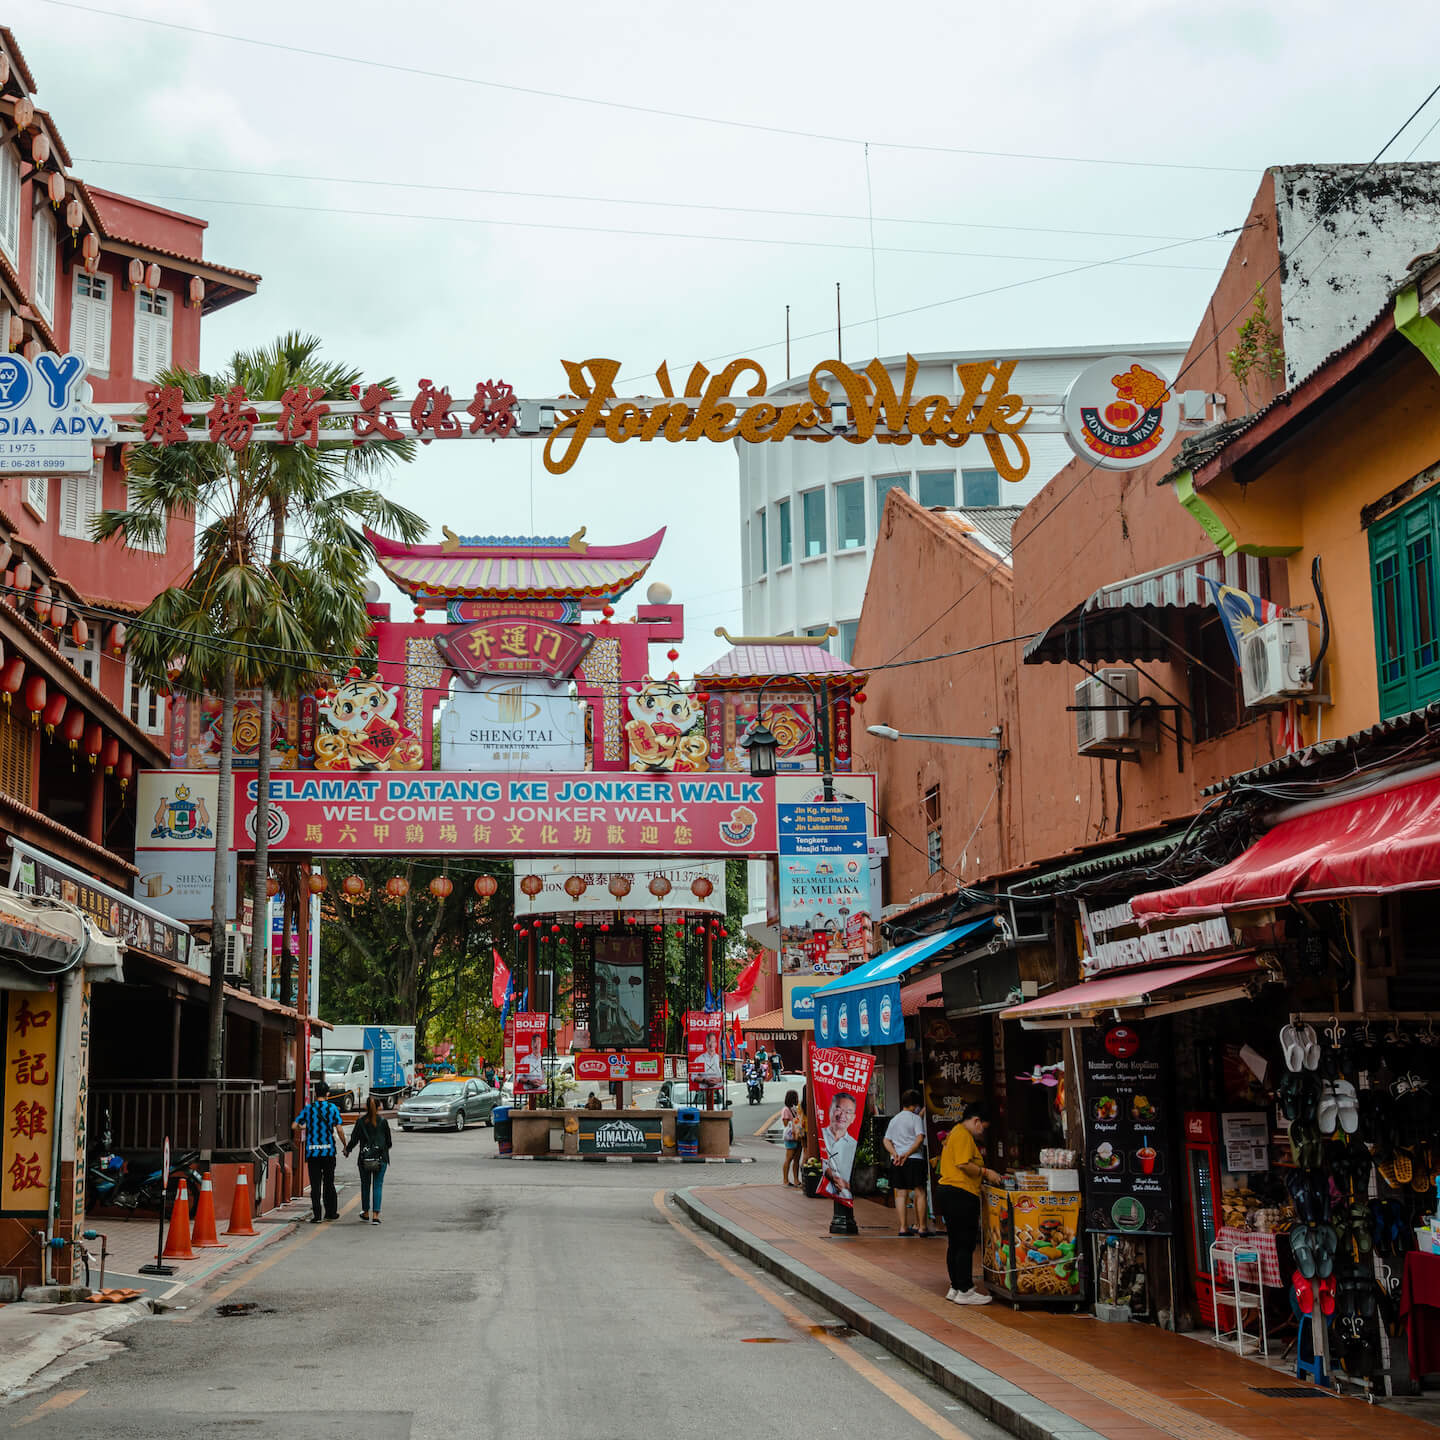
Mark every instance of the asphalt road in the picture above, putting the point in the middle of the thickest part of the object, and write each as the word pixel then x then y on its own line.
pixel 501 1299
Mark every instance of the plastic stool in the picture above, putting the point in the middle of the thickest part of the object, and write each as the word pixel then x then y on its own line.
pixel 1307 1366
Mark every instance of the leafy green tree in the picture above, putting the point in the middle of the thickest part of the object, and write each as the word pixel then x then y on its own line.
pixel 275 598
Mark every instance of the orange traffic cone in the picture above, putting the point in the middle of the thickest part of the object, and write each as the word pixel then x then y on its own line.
pixel 202 1233
pixel 241 1220
pixel 177 1238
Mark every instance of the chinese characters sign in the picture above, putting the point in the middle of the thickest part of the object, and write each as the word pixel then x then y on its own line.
pixel 952 1055
pixel 513 645
pixel 552 814
pixel 31 1059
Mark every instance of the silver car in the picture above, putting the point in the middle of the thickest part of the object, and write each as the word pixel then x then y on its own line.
pixel 448 1105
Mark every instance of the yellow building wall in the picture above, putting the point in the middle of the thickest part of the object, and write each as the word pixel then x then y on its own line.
pixel 1361 447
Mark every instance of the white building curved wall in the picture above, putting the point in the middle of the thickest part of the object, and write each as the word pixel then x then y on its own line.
pixel 810 588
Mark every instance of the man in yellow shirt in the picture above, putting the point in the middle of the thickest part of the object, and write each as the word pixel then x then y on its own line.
pixel 957 1197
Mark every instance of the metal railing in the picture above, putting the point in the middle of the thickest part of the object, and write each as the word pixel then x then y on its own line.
pixel 221 1116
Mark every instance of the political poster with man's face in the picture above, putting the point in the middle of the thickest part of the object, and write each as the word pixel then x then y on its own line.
pixel 839 1080
pixel 529 1050
pixel 703 1049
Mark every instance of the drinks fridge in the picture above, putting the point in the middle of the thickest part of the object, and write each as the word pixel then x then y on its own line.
pixel 1202 1202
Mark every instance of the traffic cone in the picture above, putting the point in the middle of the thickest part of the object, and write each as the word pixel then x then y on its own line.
pixel 202 1233
pixel 177 1238
pixel 241 1220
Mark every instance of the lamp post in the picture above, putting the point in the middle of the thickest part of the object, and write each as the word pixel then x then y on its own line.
pixel 763 747
pixel 977 742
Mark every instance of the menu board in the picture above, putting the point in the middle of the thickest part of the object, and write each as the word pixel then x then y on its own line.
pixel 1128 1164
pixel 1246 1137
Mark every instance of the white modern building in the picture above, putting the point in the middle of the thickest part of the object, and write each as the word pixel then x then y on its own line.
pixel 809 510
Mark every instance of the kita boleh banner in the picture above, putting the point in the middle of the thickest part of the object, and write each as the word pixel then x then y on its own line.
pixel 529 1052
pixel 442 812
pixel 703 1029
pixel 839 1080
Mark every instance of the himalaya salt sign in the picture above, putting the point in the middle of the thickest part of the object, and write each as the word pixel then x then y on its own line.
pixel 47 423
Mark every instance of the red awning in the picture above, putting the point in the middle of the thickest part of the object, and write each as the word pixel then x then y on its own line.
pixel 1132 989
pixel 920 993
pixel 1371 845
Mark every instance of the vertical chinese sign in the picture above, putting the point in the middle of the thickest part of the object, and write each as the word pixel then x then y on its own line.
pixel 31 1062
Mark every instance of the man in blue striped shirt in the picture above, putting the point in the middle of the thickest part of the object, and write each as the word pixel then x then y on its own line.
pixel 321 1123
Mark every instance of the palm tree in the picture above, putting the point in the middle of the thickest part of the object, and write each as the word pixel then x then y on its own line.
pixel 275 600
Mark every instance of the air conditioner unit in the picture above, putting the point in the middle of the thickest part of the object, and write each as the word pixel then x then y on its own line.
pixel 236 955
pixel 1274 662
pixel 1105 731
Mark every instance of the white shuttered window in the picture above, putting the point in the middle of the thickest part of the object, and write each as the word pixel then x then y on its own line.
pixel 80 502
pixel 37 492
pixel 43 234
pixel 90 321
pixel 10 204
pixel 153 312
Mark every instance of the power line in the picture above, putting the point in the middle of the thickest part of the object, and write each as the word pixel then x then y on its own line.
pixel 392 184
pixel 632 108
pixel 644 234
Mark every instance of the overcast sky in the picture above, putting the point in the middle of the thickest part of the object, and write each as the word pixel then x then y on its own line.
pixel 649 236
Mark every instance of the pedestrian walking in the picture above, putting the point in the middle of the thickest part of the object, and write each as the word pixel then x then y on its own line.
pixel 905 1142
pixel 371 1134
pixel 794 1129
pixel 321 1122
pixel 957 1197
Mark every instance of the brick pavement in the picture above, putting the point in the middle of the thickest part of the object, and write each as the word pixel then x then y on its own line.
pixel 1125 1382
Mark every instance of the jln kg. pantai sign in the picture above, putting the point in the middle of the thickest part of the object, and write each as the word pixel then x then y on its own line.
pixel 575 814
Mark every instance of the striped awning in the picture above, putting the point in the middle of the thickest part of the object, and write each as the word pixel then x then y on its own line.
pixel 1132 619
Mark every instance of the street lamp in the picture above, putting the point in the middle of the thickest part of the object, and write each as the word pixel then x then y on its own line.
pixel 977 742
pixel 763 747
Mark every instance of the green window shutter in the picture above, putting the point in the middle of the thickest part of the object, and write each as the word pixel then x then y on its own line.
pixel 1387 584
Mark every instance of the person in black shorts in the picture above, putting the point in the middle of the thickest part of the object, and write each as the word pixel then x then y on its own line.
pixel 905 1142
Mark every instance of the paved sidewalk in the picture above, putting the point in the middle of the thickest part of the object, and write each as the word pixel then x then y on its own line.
pixel 1042 1375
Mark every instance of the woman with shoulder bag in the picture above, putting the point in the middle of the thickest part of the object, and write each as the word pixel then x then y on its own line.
pixel 793 1135
pixel 371 1134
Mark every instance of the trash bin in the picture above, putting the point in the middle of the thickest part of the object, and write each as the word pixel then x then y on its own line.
pixel 503 1132
pixel 687 1130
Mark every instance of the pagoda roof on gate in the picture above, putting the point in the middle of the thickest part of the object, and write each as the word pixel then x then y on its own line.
pixel 748 666
pixel 508 567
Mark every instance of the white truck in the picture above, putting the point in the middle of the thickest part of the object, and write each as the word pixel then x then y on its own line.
pixel 357 1061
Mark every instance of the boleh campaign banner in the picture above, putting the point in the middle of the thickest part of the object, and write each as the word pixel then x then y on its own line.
pixel 529 1052
pixel 839 1081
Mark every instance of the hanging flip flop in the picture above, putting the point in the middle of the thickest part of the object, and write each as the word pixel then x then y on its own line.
pixel 1310 1045
pixel 1327 1113
pixel 1347 1106
pixel 1300 1249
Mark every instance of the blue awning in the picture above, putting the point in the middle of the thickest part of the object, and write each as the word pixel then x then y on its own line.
pixel 863 1006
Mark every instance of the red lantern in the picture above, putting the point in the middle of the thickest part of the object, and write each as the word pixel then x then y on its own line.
pixel 859 697
pixel 672 655
pixel 272 886
pixel 619 886
pixel 658 929
pixel 23 576
pixel 420 614
pixel 354 888
pixel 136 272
pixel 152 276
pixel 56 186
pixel 701 698
pixel 516 927
pixel 40 150
pixel 53 713
pixel 117 638
pixel 485 886
pixel 554 929
pixel 316 883
pixel 59 614
pixel 90 246
pixel 197 292
pixel 605 925
pixel 441 886
pixel 701 886
pixel 397 887
pixel 607 611
pixel 80 633
pixel 35 697
pixel 109 754
pixel 42 601
pixel 532 885
pixel 659 887
pixel 24 113
pixel 17 331
pixel 74 727
pixel 126 769
pixel 575 887
pixel 579 923
pixel 12 677
pixel 74 217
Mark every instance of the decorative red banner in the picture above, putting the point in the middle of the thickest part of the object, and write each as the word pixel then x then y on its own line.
pixel 513 645
pixel 562 814
pixel 703 1047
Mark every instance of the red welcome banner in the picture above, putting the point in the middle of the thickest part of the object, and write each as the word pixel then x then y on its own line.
pixel 458 812
pixel 703 1049
pixel 529 1052
pixel 839 1080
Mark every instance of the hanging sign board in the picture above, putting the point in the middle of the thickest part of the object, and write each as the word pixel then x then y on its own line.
pixel 47 422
